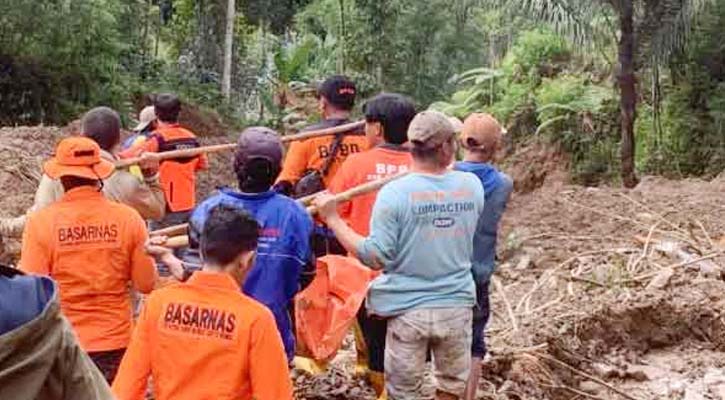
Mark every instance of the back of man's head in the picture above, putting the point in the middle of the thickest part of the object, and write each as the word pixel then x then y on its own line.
pixel 167 107
pixel 258 159
pixel 432 137
pixel 339 91
pixel 102 125
pixel 394 112
pixel 228 233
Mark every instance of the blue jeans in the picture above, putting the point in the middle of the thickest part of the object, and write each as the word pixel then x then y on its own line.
pixel 481 313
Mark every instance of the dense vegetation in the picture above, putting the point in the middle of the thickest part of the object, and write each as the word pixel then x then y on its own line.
pixel 550 70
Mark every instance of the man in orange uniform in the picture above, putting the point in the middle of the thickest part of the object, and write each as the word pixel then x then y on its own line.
pixel 92 247
pixel 310 164
pixel 205 339
pixel 177 176
pixel 387 117
pixel 336 99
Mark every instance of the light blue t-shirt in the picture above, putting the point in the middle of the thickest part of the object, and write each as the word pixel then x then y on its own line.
pixel 421 236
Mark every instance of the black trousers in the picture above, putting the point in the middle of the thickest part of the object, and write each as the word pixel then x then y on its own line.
pixel 108 362
pixel 374 330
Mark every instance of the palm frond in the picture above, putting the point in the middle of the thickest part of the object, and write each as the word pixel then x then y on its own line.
pixel 665 27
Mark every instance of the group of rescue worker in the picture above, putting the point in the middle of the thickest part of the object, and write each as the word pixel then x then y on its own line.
pixel 215 320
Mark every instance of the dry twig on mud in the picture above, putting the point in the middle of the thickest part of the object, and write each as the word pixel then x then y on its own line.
pixel 645 250
pixel 579 393
pixel 656 214
pixel 546 276
pixel 696 260
pixel 707 235
pixel 509 310
pixel 585 375
pixel 635 222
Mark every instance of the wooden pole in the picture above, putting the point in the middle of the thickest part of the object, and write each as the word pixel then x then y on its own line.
pixel 347 195
pixel 180 229
pixel 346 128
pixel 360 190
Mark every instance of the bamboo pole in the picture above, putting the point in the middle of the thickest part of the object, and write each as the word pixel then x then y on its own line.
pixel 365 188
pixel 180 229
pixel 346 128
pixel 360 190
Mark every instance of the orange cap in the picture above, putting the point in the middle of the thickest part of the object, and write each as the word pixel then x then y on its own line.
pixel 480 131
pixel 78 156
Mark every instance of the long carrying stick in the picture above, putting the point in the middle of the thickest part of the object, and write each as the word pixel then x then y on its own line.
pixel 180 229
pixel 351 127
pixel 365 188
pixel 360 190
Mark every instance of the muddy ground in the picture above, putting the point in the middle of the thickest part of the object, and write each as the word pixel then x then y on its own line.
pixel 601 293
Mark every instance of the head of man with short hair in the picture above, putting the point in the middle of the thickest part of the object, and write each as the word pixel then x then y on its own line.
pixel 387 118
pixel 258 159
pixel 167 107
pixel 229 241
pixel 336 97
pixel 103 126
pixel 433 140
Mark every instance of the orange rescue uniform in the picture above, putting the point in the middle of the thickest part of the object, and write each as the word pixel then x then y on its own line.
pixel 374 164
pixel 204 339
pixel 92 247
pixel 310 154
pixel 177 176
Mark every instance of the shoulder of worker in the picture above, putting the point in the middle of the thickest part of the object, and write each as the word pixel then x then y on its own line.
pixel 293 208
pixel 469 178
pixel 331 123
pixel 507 183
pixel 175 130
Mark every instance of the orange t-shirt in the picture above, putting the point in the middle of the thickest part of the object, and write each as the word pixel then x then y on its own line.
pixel 177 176
pixel 371 165
pixel 204 339
pixel 92 247
pixel 310 154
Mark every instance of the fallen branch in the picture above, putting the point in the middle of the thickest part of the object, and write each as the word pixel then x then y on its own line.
pixel 696 260
pixel 551 272
pixel 185 153
pixel 645 250
pixel 635 222
pixel 659 216
pixel 509 310
pixel 585 375
pixel 707 234
pixel 575 391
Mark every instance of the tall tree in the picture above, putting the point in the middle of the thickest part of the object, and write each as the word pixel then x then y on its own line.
pixel 228 50
pixel 648 30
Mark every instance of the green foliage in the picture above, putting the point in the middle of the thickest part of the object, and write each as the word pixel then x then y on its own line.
pixel 73 45
pixel 504 91
pixel 533 51
pixel 577 115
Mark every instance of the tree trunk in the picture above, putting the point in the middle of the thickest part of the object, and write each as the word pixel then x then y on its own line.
pixel 343 33
pixel 228 50
pixel 628 91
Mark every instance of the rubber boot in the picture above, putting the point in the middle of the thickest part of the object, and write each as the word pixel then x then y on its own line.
pixel 473 377
pixel 309 365
pixel 361 361
pixel 377 381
